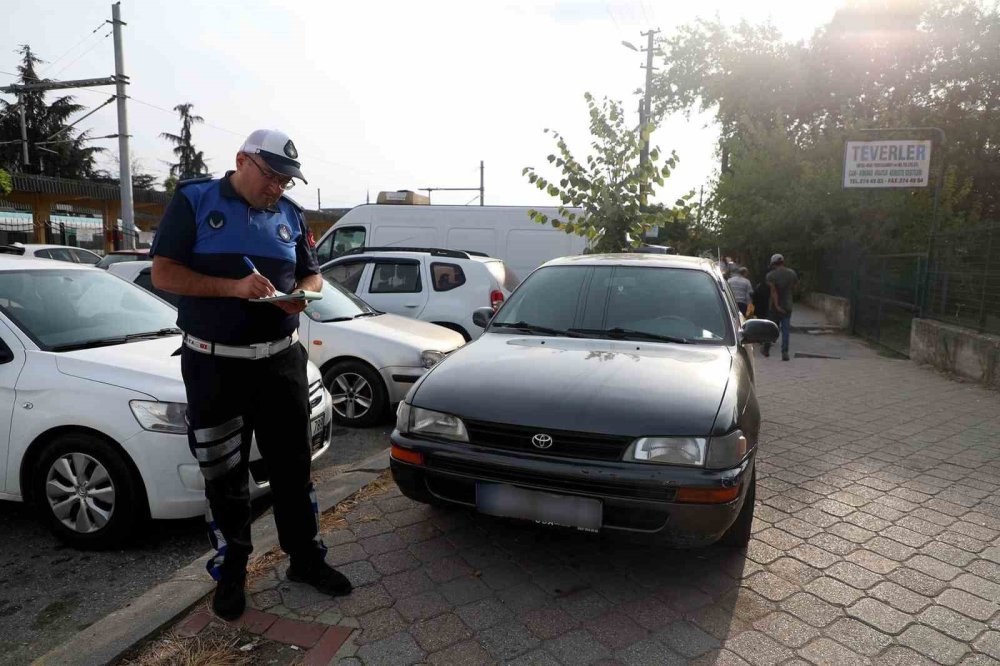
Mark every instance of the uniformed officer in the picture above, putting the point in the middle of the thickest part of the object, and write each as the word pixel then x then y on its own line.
pixel 244 371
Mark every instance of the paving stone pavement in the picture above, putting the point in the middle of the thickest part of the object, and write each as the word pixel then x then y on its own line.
pixel 876 541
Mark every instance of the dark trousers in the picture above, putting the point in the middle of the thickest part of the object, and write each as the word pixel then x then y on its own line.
pixel 229 401
pixel 784 322
pixel 743 308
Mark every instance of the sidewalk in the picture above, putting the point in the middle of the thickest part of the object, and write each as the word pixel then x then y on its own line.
pixel 876 541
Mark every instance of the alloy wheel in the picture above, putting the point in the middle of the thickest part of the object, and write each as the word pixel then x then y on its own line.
pixel 80 492
pixel 352 395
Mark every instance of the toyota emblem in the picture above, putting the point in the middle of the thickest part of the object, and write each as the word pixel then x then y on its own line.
pixel 541 441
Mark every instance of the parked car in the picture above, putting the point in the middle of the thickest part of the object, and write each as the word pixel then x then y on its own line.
pixel 369 359
pixel 611 392
pixel 119 256
pixel 76 255
pixel 435 285
pixel 141 273
pixel 505 232
pixel 92 404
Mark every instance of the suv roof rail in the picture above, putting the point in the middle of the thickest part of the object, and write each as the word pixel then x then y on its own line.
pixel 433 251
pixel 474 253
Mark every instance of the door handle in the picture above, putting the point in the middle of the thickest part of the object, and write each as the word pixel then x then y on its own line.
pixel 415 305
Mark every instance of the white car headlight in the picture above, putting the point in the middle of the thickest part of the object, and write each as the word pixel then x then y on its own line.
pixel 668 450
pixel 430 358
pixel 437 424
pixel 726 451
pixel 160 416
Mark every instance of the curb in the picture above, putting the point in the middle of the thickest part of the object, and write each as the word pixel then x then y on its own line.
pixel 115 633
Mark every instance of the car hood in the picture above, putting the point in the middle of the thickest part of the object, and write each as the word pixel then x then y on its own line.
pixel 585 385
pixel 420 335
pixel 147 366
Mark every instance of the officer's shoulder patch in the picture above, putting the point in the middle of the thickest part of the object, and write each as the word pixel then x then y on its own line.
pixel 297 206
pixel 193 181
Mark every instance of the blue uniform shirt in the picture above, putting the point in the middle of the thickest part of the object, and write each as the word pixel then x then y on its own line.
pixel 209 228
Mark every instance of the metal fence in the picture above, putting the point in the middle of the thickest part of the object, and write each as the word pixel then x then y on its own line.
pixel 887 296
pixel 77 233
pixel 963 281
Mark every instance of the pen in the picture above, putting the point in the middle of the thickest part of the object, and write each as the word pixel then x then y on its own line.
pixel 249 263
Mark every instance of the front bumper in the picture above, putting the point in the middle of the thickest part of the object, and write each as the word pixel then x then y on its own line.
pixel 636 497
pixel 399 379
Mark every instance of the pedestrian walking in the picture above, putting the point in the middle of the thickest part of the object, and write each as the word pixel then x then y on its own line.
pixel 742 289
pixel 762 298
pixel 781 280
pixel 221 243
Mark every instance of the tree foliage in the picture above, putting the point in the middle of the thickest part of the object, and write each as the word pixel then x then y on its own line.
pixel 603 197
pixel 785 110
pixel 70 157
pixel 5 183
pixel 190 161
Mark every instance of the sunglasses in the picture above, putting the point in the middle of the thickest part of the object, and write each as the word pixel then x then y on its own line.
pixel 284 182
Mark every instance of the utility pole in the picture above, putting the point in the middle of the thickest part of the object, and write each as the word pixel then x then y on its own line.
pixel 24 130
pixel 124 159
pixel 319 201
pixel 482 183
pixel 481 189
pixel 646 111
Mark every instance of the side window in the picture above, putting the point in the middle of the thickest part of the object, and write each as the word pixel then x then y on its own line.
pixel 447 276
pixel 324 250
pixel 346 239
pixel 60 254
pixel 347 274
pixel 44 254
pixel 84 257
pixel 145 280
pixel 396 278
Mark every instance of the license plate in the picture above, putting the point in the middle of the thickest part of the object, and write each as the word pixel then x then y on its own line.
pixel 583 513
pixel 316 432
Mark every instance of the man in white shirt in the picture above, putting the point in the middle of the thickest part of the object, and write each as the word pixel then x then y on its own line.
pixel 742 289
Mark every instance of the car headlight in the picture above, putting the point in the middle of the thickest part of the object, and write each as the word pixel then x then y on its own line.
pixel 430 358
pixel 403 418
pixel 160 416
pixel 429 423
pixel 668 450
pixel 727 451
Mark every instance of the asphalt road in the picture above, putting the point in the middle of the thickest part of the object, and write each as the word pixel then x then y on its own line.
pixel 48 592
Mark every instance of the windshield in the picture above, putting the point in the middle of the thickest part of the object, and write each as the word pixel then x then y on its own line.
pixel 337 304
pixel 72 308
pixel 625 302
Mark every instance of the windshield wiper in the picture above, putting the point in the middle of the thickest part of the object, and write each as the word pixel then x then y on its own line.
pixel 619 333
pixel 530 328
pixel 116 340
pixel 375 313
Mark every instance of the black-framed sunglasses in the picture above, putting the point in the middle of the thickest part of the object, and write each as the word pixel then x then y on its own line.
pixel 284 182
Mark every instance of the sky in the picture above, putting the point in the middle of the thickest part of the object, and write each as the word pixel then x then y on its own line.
pixel 381 94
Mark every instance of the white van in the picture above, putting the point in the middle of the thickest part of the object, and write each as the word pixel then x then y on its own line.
pixel 503 232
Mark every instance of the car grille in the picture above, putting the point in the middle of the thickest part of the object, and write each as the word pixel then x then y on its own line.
pixel 565 443
pixel 315 393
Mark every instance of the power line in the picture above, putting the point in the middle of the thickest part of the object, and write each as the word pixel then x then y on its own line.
pixel 67 52
pixel 613 19
pixel 77 59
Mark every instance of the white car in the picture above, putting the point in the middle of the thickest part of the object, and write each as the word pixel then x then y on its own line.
pixel 441 286
pixel 68 253
pixel 369 359
pixel 92 404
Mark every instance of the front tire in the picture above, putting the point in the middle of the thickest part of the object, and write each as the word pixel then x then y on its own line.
pixel 738 534
pixel 359 397
pixel 86 493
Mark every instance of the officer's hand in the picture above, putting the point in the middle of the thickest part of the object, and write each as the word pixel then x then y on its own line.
pixel 253 286
pixel 292 307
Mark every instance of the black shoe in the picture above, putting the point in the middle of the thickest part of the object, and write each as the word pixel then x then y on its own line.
pixel 230 598
pixel 321 576
pixel 765 351
pixel 785 356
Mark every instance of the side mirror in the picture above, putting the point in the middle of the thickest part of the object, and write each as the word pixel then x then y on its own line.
pixel 481 317
pixel 758 330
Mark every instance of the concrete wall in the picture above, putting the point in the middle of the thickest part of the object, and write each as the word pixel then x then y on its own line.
pixel 961 351
pixel 836 309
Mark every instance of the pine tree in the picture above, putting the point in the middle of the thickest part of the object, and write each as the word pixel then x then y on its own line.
pixel 190 162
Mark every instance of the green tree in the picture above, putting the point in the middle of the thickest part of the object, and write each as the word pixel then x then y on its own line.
pixel 5 183
pixel 786 109
pixel 70 157
pixel 603 198
pixel 190 161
